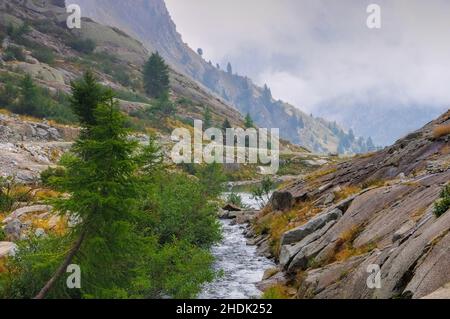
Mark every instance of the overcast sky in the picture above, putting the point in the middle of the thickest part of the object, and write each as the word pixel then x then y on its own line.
pixel 313 51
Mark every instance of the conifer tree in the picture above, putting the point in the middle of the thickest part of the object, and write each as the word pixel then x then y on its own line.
pixel 100 179
pixel 29 97
pixel 226 125
pixel 207 119
pixel 156 76
pixel 249 121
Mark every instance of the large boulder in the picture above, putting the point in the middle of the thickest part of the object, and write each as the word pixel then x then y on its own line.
pixel 288 252
pixel 18 213
pixel 282 201
pixel 7 249
pixel 297 234
pixel 13 229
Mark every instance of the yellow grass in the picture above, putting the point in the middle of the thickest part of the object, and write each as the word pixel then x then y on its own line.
pixel 320 173
pixel 441 130
pixel 276 224
pixel 345 249
pixel 346 192
pixel 43 194
pixel 277 292
pixel 445 150
pixel 3 265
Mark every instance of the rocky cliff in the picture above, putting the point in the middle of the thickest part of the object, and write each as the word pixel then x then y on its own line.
pixel 330 229
pixel 150 22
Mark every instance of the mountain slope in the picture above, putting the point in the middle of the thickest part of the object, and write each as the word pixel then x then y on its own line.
pixel 117 60
pixel 371 212
pixel 150 22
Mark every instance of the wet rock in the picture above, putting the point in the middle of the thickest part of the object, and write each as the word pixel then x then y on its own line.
pixel 276 279
pixel 282 201
pixel 231 208
pixel 246 217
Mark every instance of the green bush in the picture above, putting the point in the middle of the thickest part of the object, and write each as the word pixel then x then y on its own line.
pixel 11 193
pixel 131 96
pixel 49 176
pixel 14 52
pixel 39 102
pixel 443 204
pixel 17 33
pixel 236 200
pixel 86 46
pixel 43 54
pixel 145 231
pixel 2 235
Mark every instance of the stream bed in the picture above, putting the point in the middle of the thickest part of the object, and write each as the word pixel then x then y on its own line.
pixel 242 268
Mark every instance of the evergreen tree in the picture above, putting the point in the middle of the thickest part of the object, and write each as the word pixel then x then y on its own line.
pixel 156 76
pixel 87 93
pixel 207 119
pixel 163 107
pixel 267 94
pixel 29 97
pixel 249 121
pixel 100 179
pixel 129 242
pixel 226 125
pixel 229 68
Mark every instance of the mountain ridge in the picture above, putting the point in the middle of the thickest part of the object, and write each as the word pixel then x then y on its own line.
pixel 151 23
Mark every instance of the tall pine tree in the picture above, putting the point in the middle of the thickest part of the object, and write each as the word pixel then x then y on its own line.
pixel 156 76
pixel 249 121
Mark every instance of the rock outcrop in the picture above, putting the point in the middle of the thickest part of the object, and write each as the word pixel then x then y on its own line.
pixel 28 148
pixel 388 225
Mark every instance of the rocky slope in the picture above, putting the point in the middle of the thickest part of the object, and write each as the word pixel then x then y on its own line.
pixel 150 22
pixel 328 229
pixel 29 147
pixel 116 56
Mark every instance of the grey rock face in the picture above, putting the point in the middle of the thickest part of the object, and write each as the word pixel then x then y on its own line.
pixel 288 252
pixel 297 234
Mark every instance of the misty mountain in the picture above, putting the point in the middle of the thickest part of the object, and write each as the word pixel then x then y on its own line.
pixel 150 22
pixel 385 121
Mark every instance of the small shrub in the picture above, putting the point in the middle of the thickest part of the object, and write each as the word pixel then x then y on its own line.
pixel 86 46
pixel 43 54
pixel 50 174
pixel 2 235
pixel 14 53
pixel 11 193
pixel 236 200
pixel 262 193
pixel 346 192
pixel 17 33
pixel 441 130
pixel 276 292
pixel 443 204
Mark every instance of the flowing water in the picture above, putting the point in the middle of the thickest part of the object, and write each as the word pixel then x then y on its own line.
pixel 242 268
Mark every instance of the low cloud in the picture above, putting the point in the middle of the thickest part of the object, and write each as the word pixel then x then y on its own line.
pixel 312 51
